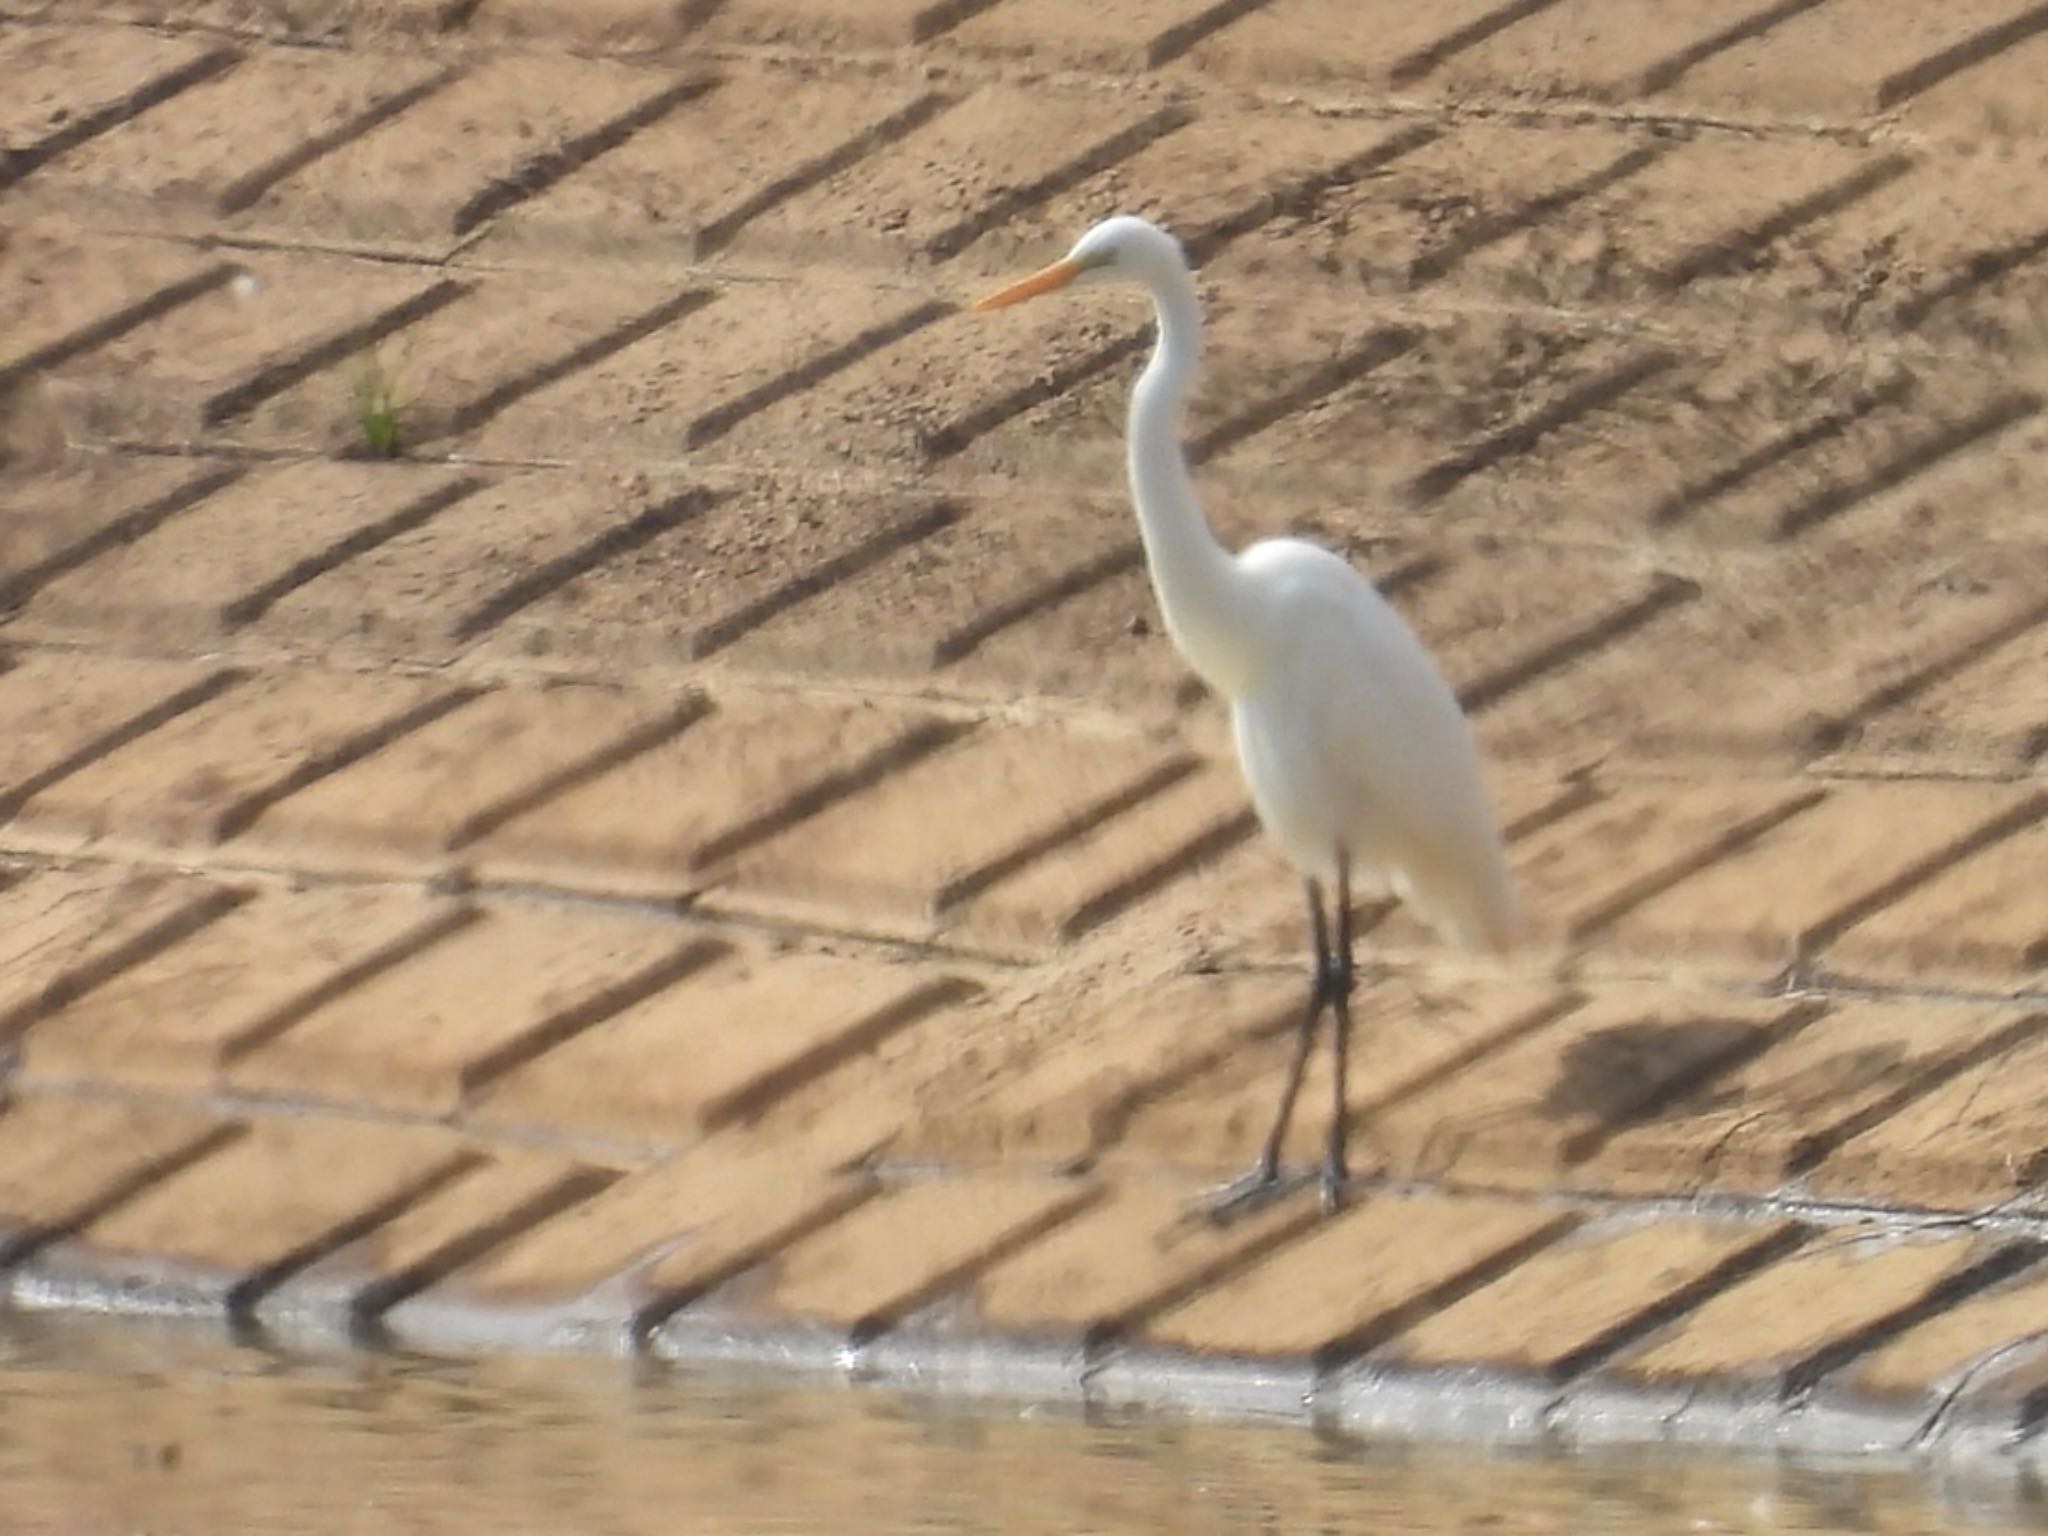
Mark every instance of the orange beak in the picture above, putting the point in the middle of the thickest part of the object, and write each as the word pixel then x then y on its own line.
pixel 1058 275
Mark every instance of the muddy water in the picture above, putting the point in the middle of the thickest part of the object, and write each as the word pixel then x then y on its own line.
pixel 166 1431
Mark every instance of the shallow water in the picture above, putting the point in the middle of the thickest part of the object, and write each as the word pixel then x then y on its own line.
pixel 132 1429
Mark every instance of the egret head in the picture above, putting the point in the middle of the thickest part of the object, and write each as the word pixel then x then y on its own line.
pixel 1121 249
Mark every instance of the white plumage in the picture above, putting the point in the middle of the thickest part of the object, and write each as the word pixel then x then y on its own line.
pixel 1350 739
pixel 1361 766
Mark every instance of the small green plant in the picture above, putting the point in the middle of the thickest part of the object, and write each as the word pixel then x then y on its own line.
pixel 380 409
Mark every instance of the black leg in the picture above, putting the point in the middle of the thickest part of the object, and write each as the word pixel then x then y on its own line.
pixel 1304 1037
pixel 1263 1181
pixel 1335 1171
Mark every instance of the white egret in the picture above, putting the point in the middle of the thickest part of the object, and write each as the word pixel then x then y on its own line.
pixel 1360 763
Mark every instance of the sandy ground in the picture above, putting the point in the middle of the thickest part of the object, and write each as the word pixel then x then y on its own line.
pixel 712 829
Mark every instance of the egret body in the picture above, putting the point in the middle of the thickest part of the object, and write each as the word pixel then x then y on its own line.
pixel 1360 763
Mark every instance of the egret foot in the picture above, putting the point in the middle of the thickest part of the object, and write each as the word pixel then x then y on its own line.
pixel 1252 1191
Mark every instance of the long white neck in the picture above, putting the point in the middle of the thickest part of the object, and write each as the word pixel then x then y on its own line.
pixel 1201 591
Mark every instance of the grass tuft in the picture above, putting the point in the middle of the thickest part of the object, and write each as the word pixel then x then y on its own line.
pixel 380 408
